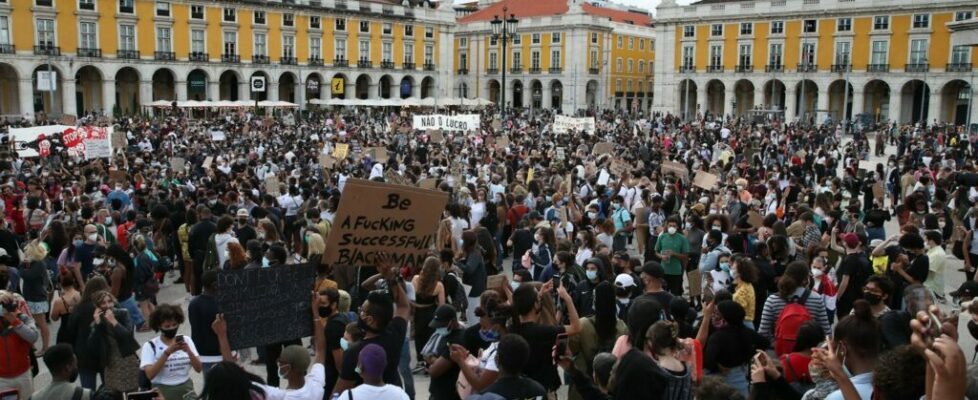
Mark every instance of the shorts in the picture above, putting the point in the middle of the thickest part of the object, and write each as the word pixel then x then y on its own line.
pixel 39 307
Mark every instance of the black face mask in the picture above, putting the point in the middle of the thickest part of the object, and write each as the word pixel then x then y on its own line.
pixel 169 333
pixel 873 298
pixel 325 311
pixel 364 326
pixel 74 376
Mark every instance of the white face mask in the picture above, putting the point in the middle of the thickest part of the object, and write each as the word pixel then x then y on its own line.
pixel 817 273
pixel 672 230
pixel 93 237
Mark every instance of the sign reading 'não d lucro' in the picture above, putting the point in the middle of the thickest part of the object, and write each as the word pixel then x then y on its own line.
pixel 376 217
pixel 462 122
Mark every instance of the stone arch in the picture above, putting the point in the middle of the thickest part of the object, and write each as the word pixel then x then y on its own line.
pixel 229 86
pixel 314 86
pixel 197 83
pixel 715 97
pixel 384 86
pixel 164 85
pixel 591 93
pixel 954 101
pixel 840 100
pixel 556 94
pixel 518 93
pixel 127 91
pixel 806 98
pixel 9 91
pixel 774 94
pixel 743 97
pixel 89 90
pixel 287 87
pixel 260 96
pixel 407 87
pixel 876 100
pixel 536 94
pixel 427 87
pixel 47 101
pixel 337 86
pixel 915 95
pixel 363 86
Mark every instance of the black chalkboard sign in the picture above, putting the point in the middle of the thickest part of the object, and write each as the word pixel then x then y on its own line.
pixel 266 305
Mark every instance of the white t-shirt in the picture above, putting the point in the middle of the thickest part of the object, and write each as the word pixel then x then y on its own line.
pixel 177 368
pixel 368 392
pixel 312 390
pixel 488 360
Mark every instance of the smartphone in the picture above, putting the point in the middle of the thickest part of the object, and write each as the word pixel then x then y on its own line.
pixel 561 345
pixel 919 299
pixel 179 339
pixel 556 281
pixel 147 395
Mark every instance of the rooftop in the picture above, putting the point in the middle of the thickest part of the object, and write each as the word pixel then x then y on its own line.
pixel 542 8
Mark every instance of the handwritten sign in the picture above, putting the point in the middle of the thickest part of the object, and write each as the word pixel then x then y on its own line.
pixel 436 136
pixel 341 150
pixel 755 219
pixel 603 148
pixel 502 142
pixel 462 122
pixel 266 305
pixel 218 136
pixel 618 167
pixel 178 164
pixel 705 180
pixel 272 185
pixel 119 140
pixel 560 154
pixel 679 169
pixel 428 183
pixel 878 191
pixel 378 217
pixel 563 124
pixel 378 154
pixel 326 161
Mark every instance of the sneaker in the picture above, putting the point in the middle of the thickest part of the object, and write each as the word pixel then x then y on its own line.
pixel 420 369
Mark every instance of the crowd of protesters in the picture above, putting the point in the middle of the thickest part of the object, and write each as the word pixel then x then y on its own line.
pixel 708 259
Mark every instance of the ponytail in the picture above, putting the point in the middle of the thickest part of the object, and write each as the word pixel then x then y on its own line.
pixel 794 276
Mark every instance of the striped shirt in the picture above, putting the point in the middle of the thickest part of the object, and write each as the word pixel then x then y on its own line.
pixel 774 305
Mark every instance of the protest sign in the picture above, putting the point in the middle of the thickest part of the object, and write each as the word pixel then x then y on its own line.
pixel 96 142
pixel 326 161
pixel 272 185
pixel 117 177
pixel 755 219
pixel 495 281
pixel 341 150
pixel 705 180
pixel 603 148
pixel 461 122
pixel 119 141
pixel 378 154
pixel 560 154
pixel 878 191
pixel 529 174
pixel 376 217
pixel 604 177
pixel 207 162
pixel 618 167
pixel 178 164
pixel 436 135
pixel 497 124
pixel 502 142
pixel 564 124
pixel 676 168
pixel 428 183
pixel 88 141
pixel 266 305
pixel 218 136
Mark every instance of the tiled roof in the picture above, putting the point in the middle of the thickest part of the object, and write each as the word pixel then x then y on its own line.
pixel 618 15
pixel 541 8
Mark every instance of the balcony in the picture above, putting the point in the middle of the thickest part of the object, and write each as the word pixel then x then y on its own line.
pixel 196 15
pixel 94 53
pixel 774 68
pixel 841 68
pixel 199 56
pixel 341 5
pixel 230 58
pixel 257 59
pixel 315 62
pixel 86 6
pixel 917 67
pixel 388 64
pixel 47 50
pixel 164 55
pixel 745 68
pixel 429 67
pixel 364 63
pixel 959 67
pixel 341 63
pixel 127 54
pixel 806 68
pixel 288 60
pixel 516 69
pixel 492 71
pixel 462 71
pixel 45 3
pixel 714 68
pixel 594 70
pixel 407 65
pixel 555 70
pixel 534 70
pixel 687 69
pixel 125 9
pixel 7 48
pixel 388 10
pixel 878 68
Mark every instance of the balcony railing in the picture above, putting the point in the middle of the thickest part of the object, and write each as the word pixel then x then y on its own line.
pixel 230 58
pixel 492 71
pixel 7 48
pixel 164 55
pixel 315 62
pixel 878 68
pixel 364 63
pixel 555 70
pixel 199 56
pixel 687 69
pixel 341 62
pixel 288 60
pixel 407 65
pixel 774 68
pixel 714 68
pixel 196 15
pixel 841 67
pixel 46 50
pixel 127 54
pixel 745 68
pixel 462 71
pixel 534 70
pixel 387 64
pixel 917 67
pixel 806 68
pixel 516 69
pixel 959 67
pixel 95 53
pixel 429 66
pixel 259 59
pixel 594 70
pixel 125 9
pixel 341 5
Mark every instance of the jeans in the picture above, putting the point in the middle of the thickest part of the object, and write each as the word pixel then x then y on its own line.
pixel 875 232
pixel 206 367
pixel 134 312
pixel 404 367
pixel 737 379
pixel 87 378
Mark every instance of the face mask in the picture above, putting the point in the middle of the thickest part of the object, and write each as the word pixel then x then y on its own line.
pixel 265 263
pixel 442 331
pixel 624 300
pixel 591 274
pixel 615 206
pixel 98 261
pixel 672 230
pixel 717 227
pixel 514 285
pixel 725 266
pixel 592 215
pixel 169 333
pixel 323 311
pixel 873 298
pixel 78 242
pixel 490 336
pixel 261 235
pixel 281 375
pixel 817 273
pixel 108 220
pixel 734 274
pixel 687 226
pixel 344 344
pixel 93 237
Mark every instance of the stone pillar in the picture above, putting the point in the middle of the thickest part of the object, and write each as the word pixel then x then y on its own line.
pixel 68 104
pixel 145 93
pixel 181 90
pixel 108 97
pixel 244 89
pixel 934 109
pixel 546 101
pixel 25 96
pixel 790 105
pixel 729 97
pixel 213 90
pixel 858 100
pixel 896 106
pixel 271 91
pixel 823 104
pixel 758 98
pixel 702 101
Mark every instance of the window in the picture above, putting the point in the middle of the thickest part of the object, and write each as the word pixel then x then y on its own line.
pixel 618 65
pixel 388 28
pixel 880 48
pixel 364 26
pixel 594 38
pixel 881 22
pixel 746 28
pixel 340 24
pixel 463 42
pixel 493 40
pixel 594 58
pixel 314 22
pixel 921 21
pixel 260 18
pixel 631 66
pixel 535 38
pixel 518 39
pixel 493 64
pixel 843 53
pixel 641 66
pixel 387 51
pixel 555 37
pixel 745 55
pixel 689 31
pixel 918 51
pixel 315 48
pixel 86 35
pixel 844 25
pixel 963 15
pixel 162 9
pixel 196 12
pixel 197 41
pixel 688 56
pixel 617 85
pixel 4 30
pixel 535 59
pixel 631 43
pixel 363 51
pixel 959 55
pixel 230 43
pixel 288 19
pixel 777 27
pixel 408 30
pixel 517 59
pixel 429 54
pixel 716 30
pixel 628 85
pixel 261 44
pixel 409 52
pixel 126 6
pixel 340 49
pixel 641 44
pixel 82 4
pixel 288 46
pixel 716 55
pixel 621 40
pixel 163 36
pixel 230 15
pixel 808 54
pixel 127 37
pixel 810 26
pixel 45 32
pixel 775 55
pixel 429 32
pixel 463 61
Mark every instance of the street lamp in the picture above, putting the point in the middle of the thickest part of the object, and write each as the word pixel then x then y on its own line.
pixel 502 30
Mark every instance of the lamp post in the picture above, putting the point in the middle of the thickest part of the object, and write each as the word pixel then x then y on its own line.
pixel 502 30
pixel 924 94
pixel 845 95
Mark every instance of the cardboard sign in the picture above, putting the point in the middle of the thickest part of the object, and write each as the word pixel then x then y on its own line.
pixel 436 136
pixel 208 161
pixel 378 154
pixel 341 150
pixel 679 169
pixel 119 140
pixel 529 174
pixel 754 219
pixel 68 119
pixel 326 161
pixel 495 281
pixel 266 305
pixel 603 148
pixel 272 185
pixel 603 177
pixel 428 183
pixel 705 180
pixel 117 177
pixel 563 124
pixel 502 142
pixel 618 167
pixel 878 191
pixel 375 217
pixel 218 136
pixel 178 164
pixel 560 154
pixel 497 124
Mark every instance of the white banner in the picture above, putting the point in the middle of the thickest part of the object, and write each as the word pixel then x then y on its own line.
pixel 465 122
pixel 47 81
pixel 88 141
pixel 563 124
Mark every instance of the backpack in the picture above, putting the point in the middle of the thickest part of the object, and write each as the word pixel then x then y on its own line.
pixel 786 328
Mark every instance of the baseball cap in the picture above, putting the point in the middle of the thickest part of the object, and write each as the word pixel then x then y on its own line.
pixel 443 316
pixel 533 215
pixel 851 240
pixel 652 269
pixel 242 213
pixel 967 289
pixel 296 356
pixel 624 281
pixel 373 360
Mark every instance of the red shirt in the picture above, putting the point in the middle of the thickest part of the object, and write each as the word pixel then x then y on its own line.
pixel 516 213
pixel 796 367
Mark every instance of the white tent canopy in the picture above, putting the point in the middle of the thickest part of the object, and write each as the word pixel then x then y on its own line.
pixel 223 104
pixel 408 102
